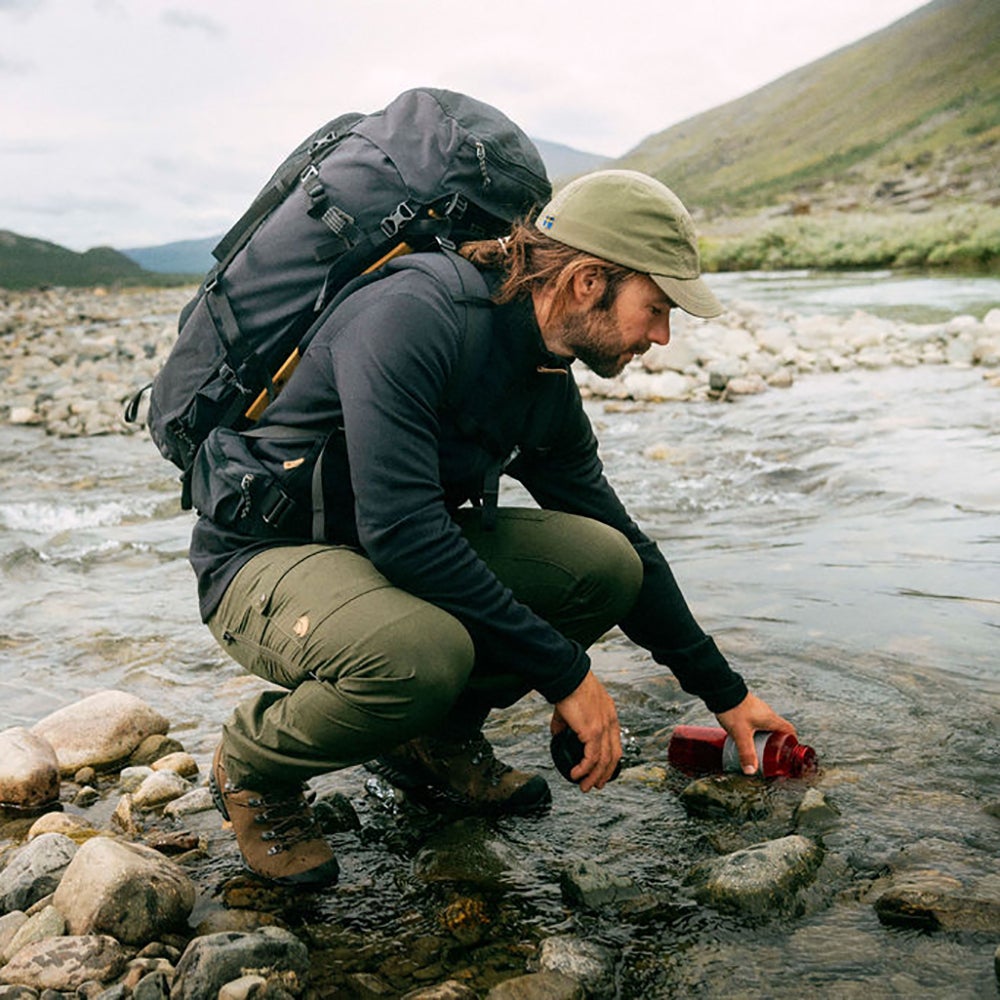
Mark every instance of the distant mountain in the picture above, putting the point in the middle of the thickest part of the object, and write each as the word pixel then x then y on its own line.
pixel 909 115
pixel 562 162
pixel 194 257
pixel 26 262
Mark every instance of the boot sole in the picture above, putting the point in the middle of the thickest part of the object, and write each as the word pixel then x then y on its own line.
pixel 536 801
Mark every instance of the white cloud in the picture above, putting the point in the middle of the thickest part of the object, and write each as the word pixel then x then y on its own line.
pixel 135 124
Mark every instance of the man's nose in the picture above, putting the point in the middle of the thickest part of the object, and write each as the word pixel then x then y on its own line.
pixel 660 333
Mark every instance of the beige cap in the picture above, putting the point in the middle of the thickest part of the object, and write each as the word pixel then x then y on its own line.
pixel 632 219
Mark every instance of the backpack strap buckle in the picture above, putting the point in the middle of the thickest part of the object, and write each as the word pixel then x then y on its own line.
pixel 394 222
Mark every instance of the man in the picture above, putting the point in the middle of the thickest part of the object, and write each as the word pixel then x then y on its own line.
pixel 394 639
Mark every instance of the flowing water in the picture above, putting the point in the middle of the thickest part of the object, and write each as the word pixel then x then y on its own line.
pixel 841 540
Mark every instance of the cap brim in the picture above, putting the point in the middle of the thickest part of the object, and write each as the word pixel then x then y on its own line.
pixel 690 294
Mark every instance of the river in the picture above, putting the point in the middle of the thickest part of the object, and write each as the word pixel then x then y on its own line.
pixel 840 539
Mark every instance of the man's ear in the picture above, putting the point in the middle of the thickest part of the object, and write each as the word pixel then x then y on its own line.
pixel 588 286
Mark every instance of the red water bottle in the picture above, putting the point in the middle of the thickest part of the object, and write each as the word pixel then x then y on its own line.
pixel 710 750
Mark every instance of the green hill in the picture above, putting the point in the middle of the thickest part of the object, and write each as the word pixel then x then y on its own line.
pixel 906 120
pixel 26 262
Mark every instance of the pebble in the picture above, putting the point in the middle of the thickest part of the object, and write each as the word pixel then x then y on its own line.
pixel 59 343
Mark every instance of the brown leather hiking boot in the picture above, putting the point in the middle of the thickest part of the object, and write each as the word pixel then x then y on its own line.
pixel 465 773
pixel 275 831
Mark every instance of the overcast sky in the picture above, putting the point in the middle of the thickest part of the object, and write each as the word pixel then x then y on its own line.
pixel 138 122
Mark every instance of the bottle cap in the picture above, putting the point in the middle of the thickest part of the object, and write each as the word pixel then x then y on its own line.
pixel 567 752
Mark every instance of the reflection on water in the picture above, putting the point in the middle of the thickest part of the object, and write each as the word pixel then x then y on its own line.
pixel 840 540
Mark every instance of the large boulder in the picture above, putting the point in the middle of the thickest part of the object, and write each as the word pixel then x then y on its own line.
pixel 100 730
pixel 34 871
pixel 126 890
pixel 29 770
pixel 65 963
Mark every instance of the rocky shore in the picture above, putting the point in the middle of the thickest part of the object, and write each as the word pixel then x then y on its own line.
pixel 105 819
pixel 70 358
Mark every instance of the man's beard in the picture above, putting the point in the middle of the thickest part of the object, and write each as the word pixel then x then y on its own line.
pixel 594 339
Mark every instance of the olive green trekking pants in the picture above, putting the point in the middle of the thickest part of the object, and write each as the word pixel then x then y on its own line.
pixel 363 666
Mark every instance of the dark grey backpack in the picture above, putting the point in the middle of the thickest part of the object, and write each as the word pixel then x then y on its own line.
pixel 433 168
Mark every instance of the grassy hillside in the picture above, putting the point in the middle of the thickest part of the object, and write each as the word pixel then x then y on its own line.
pixel 28 263
pixel 911 111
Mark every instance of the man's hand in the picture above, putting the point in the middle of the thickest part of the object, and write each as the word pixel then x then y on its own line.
pixel 590 712
pixel 749 716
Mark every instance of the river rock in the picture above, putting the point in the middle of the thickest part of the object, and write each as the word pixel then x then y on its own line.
pixel 154 748
pixel 815 813
pixel 66 963
pixel 589 963
pixel 587 884
pixel 29 770
pixel 34 871
pixel 725 795
pixel 10 924
pixel 158 789
pixel 198 800
pixel 47 923
pixel 467 851
pixel 452 989
pixel 760 879
pixel 209 962
pixel 931 900
pixel 126 890
pixel 131 777
pixel 538 986
pixel 99 730
pixel 180 762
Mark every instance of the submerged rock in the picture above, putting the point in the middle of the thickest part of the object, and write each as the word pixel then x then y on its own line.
pixel 99 730
pixel 29 770
pixel 538 986
pixel 590 964
pixel 587 884
pixel 760 879
pixel 933 900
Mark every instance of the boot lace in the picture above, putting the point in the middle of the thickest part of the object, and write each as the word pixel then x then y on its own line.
pixel 288 818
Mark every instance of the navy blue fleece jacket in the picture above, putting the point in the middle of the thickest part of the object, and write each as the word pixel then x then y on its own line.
pixel 382 369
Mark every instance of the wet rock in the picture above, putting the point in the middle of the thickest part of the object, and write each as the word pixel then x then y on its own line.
pixel 99 730
pixel 158 789
pixel 66 963
pixel 74 827
pixel 587 884
pixel 244 988
pixel 814 813
pixel 758 880
pixel 48 923
pixel 126 890
pixel 466 919
pixel 86 797
pixel 29 770
pixel 538 986
pixel 466 851
pixel 450 990
pixel 180 762
pixel 209 962
pixel 85 776
pixel 34 871
pixel 154 748
pixel 335 814
pixel 725 796
pixel 590 964
pixel 130 778
pixel 932 900
pixel 244 921
pixel 198 800
pixel 124 817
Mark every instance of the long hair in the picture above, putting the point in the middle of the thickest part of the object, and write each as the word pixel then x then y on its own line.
pixel 529 260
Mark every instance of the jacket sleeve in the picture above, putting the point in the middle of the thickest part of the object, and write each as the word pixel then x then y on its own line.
pixel 392 361
pixel 569 476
